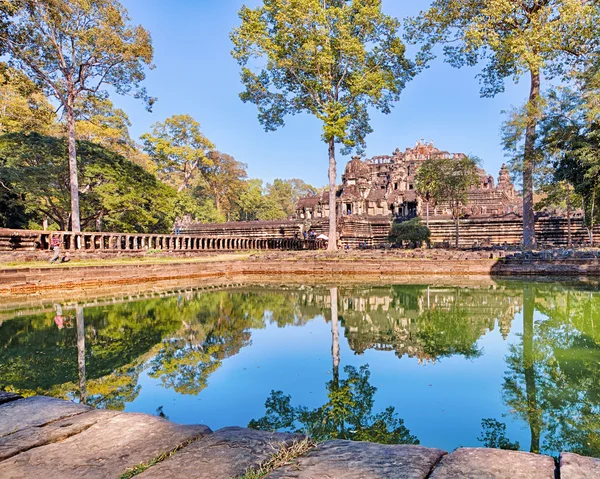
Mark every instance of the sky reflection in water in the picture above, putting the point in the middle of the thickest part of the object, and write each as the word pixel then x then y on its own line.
pixel 444 358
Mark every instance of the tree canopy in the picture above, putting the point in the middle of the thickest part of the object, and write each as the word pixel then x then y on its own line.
pixel 75 49
pixel 448 181
pixel 537 38
pixel 179 149
pixel 331 59
pixel 116 193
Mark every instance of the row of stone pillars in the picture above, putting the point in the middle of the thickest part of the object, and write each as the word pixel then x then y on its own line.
pixel 140 242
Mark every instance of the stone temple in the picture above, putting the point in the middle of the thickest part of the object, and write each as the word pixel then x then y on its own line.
pixel 385 186
pixel 378 191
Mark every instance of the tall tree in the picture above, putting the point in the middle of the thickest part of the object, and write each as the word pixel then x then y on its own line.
pixel 330 58
pixel 287 192
pixel 75 48
pixel 538 38
pixel 115 192
pixel 570 144
pixel 179 149
pixel 448 181
pixel 223 179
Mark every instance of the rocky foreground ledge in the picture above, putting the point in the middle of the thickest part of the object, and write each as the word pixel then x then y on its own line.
pixel 50 438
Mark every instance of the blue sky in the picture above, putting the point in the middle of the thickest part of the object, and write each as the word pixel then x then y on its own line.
pixel 195 74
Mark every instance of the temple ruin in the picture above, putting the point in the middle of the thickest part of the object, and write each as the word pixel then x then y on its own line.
pixel 385 186
pixel 378 191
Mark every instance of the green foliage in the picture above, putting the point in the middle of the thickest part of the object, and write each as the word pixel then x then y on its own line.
pixel 256 203
pixel 287 192
pixel 328 59
pixel 99 122
pixel 568 144
pixel 333 60
pixel 411 231
pixel 552 378
pixel 543 39
pixel 511 38
pixel 494 436
pixel 75 49
pixel 115 191
pixel 447 332
pixel 23 105
pixel 222 180
pixel 179 149
pixel 448 180
pixel 347 415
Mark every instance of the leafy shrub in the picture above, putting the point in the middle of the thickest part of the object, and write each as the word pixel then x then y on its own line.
pixel 411 231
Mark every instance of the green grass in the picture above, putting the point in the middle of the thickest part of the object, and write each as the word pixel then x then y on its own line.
pixel 282 457
pixel 135 470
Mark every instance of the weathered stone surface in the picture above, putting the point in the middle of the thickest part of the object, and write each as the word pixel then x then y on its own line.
pixel 8 397
pixel 227 453
pixel 105 450
pixel 479 463
pixel 31 437
pixel 35 411
pixel 361 460
pixel 574 466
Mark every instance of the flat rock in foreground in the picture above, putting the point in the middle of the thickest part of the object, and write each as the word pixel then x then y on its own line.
pixel 479 463
pixel 36 436
pixel 226 453
pixel 8 397
pixel 361 460
pixel 105 450
pixel 35 411
pixel 573 466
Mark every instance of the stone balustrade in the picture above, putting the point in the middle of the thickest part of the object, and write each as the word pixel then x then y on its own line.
pixel 30 240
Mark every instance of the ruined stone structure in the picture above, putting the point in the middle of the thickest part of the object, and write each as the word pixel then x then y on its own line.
pixel 380 190
pixel 385 186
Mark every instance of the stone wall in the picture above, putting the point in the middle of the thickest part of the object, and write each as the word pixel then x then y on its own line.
pixel 379 266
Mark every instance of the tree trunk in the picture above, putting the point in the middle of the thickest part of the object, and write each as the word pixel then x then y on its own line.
pixel 335 334
pixel 529 162
pixel 533 411
pixel 332 243
pixel 81 353
pixel 75 221
pixel 335 353
pixel 569 234
pixel 592 217
pixel 456 233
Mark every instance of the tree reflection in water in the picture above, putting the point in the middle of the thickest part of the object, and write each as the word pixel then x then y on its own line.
pixel 348 414
pixel 553 377
pixel 96 354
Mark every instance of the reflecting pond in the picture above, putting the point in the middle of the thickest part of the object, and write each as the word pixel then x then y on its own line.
pixel 512 365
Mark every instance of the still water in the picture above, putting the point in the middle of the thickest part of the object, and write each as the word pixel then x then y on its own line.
pixel 514 365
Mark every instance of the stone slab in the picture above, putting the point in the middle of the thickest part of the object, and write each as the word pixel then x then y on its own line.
pixel 32 437
pixel 480 463
pixel 8 397
pixel 361 460
pixel 574 466
pixel 105 450
pixel 227 453
pixel 35 411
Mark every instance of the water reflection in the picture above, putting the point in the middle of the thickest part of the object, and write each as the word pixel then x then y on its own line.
pixel 553 378
pixel 348 413
pixel 96 354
